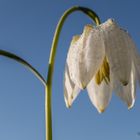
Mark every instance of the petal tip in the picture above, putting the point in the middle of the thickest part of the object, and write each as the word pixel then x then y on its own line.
pixel 130 106
pixel 101 110
pixel 68 105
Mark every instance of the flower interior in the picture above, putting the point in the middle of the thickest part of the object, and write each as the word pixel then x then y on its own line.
pixel 103 73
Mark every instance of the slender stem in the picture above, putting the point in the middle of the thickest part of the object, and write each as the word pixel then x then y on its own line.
pixel 48 112
pixel 96 19
pixel 23 62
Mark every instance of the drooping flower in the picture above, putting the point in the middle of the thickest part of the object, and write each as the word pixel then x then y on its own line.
pixel 102 59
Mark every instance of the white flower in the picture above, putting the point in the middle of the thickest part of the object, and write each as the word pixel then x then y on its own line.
pixel 102 59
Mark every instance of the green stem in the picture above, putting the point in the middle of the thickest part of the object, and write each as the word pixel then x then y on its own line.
pixel 23 62
pixel 48 112
pixel 96 19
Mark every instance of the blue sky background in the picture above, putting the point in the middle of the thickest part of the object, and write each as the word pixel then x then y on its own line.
pixel 27 28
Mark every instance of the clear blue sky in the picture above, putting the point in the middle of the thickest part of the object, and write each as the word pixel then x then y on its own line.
pixel 26 28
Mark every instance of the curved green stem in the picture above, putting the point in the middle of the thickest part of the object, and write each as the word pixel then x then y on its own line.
pixel 25 63
pixel 96 19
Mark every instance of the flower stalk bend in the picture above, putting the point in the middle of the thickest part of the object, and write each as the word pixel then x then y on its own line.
pixel 96 19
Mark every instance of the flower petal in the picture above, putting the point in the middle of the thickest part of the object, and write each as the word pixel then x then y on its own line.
pixel 117 51
pixel 99 95
pixel 85 56
pixel 71 91
pixel 128 93
pixel 135 57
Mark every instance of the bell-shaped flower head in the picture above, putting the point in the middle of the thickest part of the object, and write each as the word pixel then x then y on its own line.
pixel 102 59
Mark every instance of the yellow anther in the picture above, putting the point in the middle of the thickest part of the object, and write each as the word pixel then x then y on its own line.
pixel 97 78
pixel 103 73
